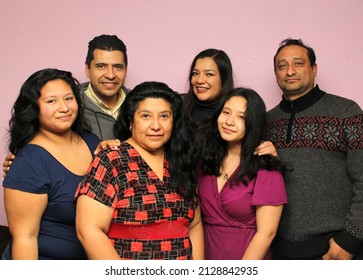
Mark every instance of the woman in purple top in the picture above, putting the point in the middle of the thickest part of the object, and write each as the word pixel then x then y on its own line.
pixel 242 194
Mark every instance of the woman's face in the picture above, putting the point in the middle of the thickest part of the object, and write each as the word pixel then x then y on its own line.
pixel 206 79
pixel 152 125
pixel 231 123
pixel 58 108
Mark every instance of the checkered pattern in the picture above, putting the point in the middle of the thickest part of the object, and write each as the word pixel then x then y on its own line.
pixel 123 181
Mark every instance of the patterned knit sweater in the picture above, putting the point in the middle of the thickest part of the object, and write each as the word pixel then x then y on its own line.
pixel 320 137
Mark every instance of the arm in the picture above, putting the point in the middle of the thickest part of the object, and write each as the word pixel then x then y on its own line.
pixel 267 221
pixel 24 212
pixel 196 236
pixel 266 148
pixel 7 162
pixel 93 220
pixel 345 244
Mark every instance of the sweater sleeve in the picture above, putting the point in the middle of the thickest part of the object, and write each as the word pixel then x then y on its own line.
pixel 351 238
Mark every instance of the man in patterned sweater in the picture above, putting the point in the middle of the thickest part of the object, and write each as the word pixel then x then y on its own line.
pixel 320 137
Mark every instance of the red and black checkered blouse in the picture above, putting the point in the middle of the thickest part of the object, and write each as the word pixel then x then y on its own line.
pixel 150 220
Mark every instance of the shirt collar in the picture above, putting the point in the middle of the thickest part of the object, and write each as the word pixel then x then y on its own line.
pixel 100 104
pixel 303 102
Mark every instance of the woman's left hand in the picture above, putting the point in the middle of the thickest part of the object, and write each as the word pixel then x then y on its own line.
pixel 112 144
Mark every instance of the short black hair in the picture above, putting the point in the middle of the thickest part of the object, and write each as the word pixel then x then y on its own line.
pixel 296 42
pixel 107 43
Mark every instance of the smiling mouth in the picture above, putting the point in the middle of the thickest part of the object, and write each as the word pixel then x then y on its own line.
pixel 201 89
pixel 227 130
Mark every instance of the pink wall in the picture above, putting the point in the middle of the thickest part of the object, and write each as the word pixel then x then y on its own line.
pixel 163 36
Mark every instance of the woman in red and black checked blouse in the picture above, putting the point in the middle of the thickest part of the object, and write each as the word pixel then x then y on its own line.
pixel 140 202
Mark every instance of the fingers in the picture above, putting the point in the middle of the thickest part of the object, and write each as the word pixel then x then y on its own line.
pixel 7 162
pixel 111 144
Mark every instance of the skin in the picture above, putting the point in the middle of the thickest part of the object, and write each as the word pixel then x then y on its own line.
pixel 58 110
pixel 107 74
pixel 151 130
pixel 231 127
pixel 206 79
pixel 152 125
pixel 294 74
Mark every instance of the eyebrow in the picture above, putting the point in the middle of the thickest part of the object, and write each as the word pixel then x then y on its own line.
pixel 208 69
pixel 243 112
pixel 148 111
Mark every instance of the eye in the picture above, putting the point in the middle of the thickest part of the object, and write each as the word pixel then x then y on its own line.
pixel 281 66
pixel 164 116
pixel 242 117
pixel 119 67
pixel 300 63
pixel 50 100
pixel 100 66
pixel 145 116
pixel 70 98
pixel 225 112
pixel 195 73
pixel 210 74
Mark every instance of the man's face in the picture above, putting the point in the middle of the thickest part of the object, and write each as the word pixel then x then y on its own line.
pixel 107 73
pixel 294 74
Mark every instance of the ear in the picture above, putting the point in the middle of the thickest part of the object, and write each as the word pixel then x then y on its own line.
pixel 86 69
pixel 315 70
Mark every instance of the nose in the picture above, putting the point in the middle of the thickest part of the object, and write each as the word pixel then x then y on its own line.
pixel 63 107
pixel 230 120
pixel 201 79
pixel 290 70
pixel 110 74
pixel 155 124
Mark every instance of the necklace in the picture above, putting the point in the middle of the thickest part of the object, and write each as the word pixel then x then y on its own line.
pixel 226 175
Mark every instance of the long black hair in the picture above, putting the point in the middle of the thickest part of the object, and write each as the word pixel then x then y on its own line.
pixel 214 148
pixel 24 121
pixel 180 150
pixel 225 69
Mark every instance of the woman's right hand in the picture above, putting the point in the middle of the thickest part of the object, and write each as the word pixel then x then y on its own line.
pixel 7 162
pixel 112 144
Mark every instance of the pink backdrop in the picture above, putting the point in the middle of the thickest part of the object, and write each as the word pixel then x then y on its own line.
pixel 163 36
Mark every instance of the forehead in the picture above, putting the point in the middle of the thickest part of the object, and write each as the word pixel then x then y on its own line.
pixel 206 63
pixel 292 52
pixel 114 57
pixel 236 103
pixel 55 87
pixel 154 105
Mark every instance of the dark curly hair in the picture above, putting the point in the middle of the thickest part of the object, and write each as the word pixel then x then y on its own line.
pixel 24 121
pixel 180 150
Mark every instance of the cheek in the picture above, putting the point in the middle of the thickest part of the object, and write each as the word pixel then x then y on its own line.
pixel 74 107
pixel 242 128
pixel 121 75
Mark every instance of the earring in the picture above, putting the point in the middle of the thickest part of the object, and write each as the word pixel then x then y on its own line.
pixel 130 128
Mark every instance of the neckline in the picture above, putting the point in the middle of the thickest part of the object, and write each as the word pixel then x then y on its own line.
pixel 146 163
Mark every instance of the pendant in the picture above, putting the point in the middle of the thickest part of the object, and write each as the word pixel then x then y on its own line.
pixel 225 177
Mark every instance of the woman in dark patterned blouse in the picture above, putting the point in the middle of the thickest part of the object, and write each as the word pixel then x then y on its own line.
pixel 140 202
